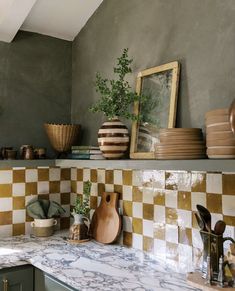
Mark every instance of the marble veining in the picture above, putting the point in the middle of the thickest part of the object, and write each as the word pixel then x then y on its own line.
pixel 91 266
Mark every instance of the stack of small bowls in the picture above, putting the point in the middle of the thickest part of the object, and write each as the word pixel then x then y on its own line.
pixel 220 140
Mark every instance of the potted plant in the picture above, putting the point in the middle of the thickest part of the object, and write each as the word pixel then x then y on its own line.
pixel 81 211
pixel 116 98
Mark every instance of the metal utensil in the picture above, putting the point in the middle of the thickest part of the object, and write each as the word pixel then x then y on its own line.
pixel 200 222
pixel 205 216
pixel 232 116
pixel 219 227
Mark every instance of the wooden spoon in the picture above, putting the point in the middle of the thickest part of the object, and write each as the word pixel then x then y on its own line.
pixel 232 116
pixel 219 227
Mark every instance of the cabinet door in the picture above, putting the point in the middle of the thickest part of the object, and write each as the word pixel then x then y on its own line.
pixel 17 279
pixel 44 282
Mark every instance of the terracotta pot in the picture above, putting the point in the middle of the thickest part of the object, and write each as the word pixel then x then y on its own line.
pixel 113 139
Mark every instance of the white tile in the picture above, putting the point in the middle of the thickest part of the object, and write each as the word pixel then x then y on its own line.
pixel 185 258
pixel 172 233
pixel 73 197
pixel 198 198
pixel 18 189
pixel 159 213
pixel 214 218
pixel 148 228
pixel 229 232
pixel 5 230
pixel 184 181
pixel 148 178
pixel 148 195
pixel 137 241
pixel 6 177
pixel 127 223
pixel 54 174
pixel 101 176
pixel 137 179
pixel 43 187
pixel 159 179
pixel 117 177
pixel 171 198
pixel 6 204
pixel 127 193
pixel 196 239
pixel 86 174
pixel 19 216
pixel 65 186
pixel 137 209
pixel 74 174
pixel 28 228
pixel 160 249
pixel 214 183
pixel 184 218
pixel 80 187
pixel 55 197
pixel 94 189
pixel 120 207
pixel 31 175
pixel 29 198
pixel 109 188
pixel 98 200
pixel 228 205
pixel 91 213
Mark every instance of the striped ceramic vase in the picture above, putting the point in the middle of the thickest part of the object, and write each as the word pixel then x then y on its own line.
pixel 113 139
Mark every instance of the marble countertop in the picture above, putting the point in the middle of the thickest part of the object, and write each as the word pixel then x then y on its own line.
pixel 91 266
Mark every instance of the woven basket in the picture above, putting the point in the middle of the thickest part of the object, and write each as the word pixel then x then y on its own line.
pixel 62 136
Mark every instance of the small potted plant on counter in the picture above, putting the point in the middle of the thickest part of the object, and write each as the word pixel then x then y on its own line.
pixel 79 229
pixel 115 101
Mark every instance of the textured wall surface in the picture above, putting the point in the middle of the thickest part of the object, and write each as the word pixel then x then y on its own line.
pixel 35 87
pixel 200 34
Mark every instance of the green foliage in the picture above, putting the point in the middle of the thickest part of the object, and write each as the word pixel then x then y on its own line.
pixel 116 95
pixel 83 204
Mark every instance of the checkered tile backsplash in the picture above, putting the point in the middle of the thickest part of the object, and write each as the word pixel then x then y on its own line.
pixel 157 206
pixel 19 185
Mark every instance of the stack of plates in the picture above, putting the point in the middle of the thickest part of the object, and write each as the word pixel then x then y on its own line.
pixel 220 140
pixel 180 143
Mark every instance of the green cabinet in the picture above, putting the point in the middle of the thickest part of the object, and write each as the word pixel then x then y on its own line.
pixel 45 282
pixel 17 279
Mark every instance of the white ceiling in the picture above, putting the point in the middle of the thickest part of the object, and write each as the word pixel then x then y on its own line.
pixel 58 18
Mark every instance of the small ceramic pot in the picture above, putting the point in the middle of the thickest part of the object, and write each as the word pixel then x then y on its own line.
pixel 43 222
pixel 43 227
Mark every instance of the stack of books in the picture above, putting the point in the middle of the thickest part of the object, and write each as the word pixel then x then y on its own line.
pixel 86 153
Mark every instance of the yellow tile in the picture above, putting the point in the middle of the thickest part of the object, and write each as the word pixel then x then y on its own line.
pixel 93 202
pixel 5 217
pixel 184 200
pixel 148 244
pixel 18 203
pixel 194 220
pixel 101 189
pixel 185 236
pixel 93 175
pixel 148 210
pixel 229 220
pixel 65 198
pixel 109 177
pixel 137 224
pixel 74 186
pixel 54 186
pixel 64 222
pixel 214 203
pixel 18 176
pixel 127 177
pixel 43 196
pixel 171 180
pixel 18 228
pixel 28 218
pixel 137 194
pixel 198 182
pixel 5 190
pixel 31 188
pixel 159 231
pixel 228 183
pixel 159 197
pixel 171 216
pixel 79 174
pixel 43 174
pixel 118 189
pixel 127 208
pixel 65 174
pixel 127 238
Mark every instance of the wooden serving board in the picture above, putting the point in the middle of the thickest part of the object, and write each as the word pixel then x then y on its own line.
pixel 106 222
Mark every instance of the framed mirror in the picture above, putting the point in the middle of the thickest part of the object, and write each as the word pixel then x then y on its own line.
pixel 157 110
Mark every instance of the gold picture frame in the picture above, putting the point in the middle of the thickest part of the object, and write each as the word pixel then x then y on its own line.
pixel 160 86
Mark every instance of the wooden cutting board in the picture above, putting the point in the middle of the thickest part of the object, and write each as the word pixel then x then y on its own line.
pixel 106 222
